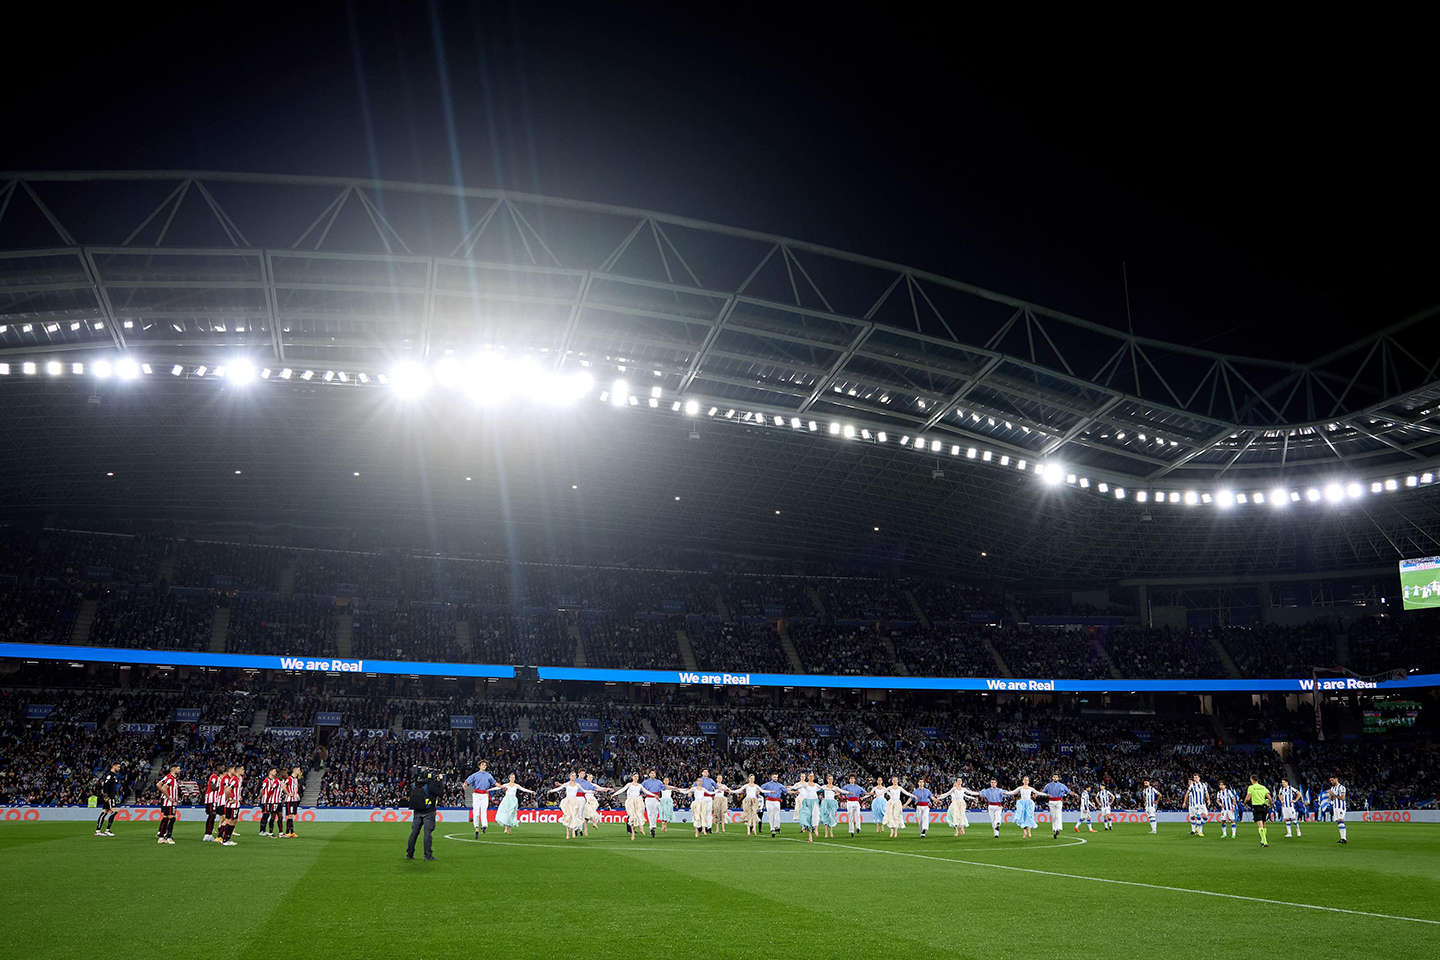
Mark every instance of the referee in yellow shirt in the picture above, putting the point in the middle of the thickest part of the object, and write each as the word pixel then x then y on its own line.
pixel 1258 796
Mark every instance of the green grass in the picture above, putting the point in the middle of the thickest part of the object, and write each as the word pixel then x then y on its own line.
pixel 345 890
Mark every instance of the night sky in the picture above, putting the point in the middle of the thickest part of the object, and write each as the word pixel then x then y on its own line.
pixel 1268 185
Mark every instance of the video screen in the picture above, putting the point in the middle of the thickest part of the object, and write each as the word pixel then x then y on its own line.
pixel 1420 583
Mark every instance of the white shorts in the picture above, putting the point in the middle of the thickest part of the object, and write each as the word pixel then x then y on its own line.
pixel 1105 814
pixel 1288 813
pixel 1150 813
pixel 1199 812
pixel 1228 815
pixel 997 814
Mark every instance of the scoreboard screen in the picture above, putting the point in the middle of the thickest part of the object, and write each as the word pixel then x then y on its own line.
pixel 1420 583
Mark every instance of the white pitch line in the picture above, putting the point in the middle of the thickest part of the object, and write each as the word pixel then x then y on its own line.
pixel 1128 883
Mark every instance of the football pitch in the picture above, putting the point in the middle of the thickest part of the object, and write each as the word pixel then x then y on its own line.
pixel 345 890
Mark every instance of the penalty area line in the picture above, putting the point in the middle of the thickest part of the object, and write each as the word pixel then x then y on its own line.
pixel 1128 883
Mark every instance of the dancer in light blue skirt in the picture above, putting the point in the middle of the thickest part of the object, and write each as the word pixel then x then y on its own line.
pixel 507 815
pixel 877 805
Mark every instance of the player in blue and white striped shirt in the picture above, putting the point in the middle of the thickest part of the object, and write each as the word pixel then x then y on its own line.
pixel 1106 798
pixel 1287 798
pixel 1085 816
pixel 1337 797
pixel 1150 797
pixel 1229 802
pixel 1197 800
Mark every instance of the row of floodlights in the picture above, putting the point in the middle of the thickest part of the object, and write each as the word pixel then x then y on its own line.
pixel 494 378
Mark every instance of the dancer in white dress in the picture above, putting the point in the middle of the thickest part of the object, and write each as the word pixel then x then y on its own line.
pixel 507 816
pixel 720 803
pixel 956 815
pixel 750 806
pixel 572 806
pixel 634 805
pixel 895 807
pixel 592 802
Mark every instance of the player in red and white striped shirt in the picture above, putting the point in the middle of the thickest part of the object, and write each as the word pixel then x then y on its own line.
pixel 169 787
pixel 291 796
pixel 212 803
pixel 271 790
pixel 231 785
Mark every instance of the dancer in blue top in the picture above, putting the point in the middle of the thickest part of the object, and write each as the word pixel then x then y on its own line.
pixel 480 783
pixel 923 796
pixel 853 794
pixel 653 789
pixel 1057 792
pixel 773 792
pixel 994 805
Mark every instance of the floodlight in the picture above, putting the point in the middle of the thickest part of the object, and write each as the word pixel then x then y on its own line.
pixel 935 446
pixel 407 378
pixel 849 431
pixel 954 449
pixel 1313 495
pixel 1427 477
pixel 308 375
pixel 619 393
pixel 240 372
pixel 102 369
pixel 1334 493
pixel 834 428
pixel 794 423
pixel 1191 498
pixel 1391 485
pixel 176 370
pixel 811 426
pixel 692 408
pixel 987 456
pixel 1103 487
pixel 1353 490
pixel 971 453
pixel 1084 483
pixel 1019 464
pixel 1278 498
pixel 201 370
pixel 329 375
pixel 448 372
pixel 1174 496
pixel 77 368
pixel 881 436
pixel 1294 496
pixel 1411 480
pixel 1140 496
pixel 1051 473
pixel 1376 486
pixel 1005 460
pixel 53 368
pixel 1119 493
pixel 654 403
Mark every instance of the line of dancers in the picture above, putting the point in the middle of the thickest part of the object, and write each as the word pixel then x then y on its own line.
pixel 649 804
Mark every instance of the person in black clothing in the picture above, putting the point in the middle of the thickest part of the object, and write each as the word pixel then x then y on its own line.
pixel 425 790
pixel 108 794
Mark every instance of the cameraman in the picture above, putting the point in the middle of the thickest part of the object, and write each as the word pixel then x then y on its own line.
pixel 426 788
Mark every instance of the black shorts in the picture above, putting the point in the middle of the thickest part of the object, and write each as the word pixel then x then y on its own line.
pixel 1260 811
pixel 166 811
pixel 232 813
pixel 292 809
pixel 209 809
pixel 107 805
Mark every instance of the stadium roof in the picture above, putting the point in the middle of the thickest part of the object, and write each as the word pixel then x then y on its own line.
pixel 357 280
